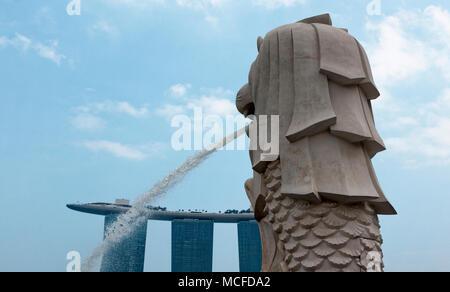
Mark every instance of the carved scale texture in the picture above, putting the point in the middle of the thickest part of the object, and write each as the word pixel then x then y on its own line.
pixel 325 237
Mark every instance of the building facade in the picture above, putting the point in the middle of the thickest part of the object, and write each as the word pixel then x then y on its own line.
pixel 128 255
pixel 192 245
pixel 192 239
pixel 250 249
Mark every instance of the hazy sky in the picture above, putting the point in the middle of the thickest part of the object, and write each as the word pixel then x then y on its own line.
pixel 86 103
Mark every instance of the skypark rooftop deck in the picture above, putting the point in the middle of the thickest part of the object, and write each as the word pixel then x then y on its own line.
pixel 106 209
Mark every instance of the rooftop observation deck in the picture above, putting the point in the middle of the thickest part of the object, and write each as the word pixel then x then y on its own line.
pixel 106 209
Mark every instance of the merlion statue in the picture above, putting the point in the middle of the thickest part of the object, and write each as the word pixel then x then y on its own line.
pixel 318 201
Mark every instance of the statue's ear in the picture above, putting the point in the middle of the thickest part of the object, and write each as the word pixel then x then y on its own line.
pixel 259 42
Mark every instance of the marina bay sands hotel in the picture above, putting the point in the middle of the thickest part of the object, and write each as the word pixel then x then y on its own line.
pixel 192 239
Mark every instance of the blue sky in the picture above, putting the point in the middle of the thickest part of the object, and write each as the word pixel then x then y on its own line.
pixel 86 103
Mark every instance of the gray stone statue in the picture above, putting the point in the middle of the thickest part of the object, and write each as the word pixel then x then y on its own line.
pixel 317 202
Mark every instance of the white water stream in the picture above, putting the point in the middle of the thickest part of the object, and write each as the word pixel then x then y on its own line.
pixel 138 213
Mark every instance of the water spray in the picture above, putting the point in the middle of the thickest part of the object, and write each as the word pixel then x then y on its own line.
pixel 138 213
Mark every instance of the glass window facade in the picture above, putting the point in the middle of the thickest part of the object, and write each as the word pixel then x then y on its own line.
pixel 192 245
pixel 250 250
pixel 128 255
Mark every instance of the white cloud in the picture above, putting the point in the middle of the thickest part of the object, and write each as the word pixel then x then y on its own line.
pixel 426 134
pixel 117 149
pixel 201 4
pixel 212 19
pixel 429 141
pixel 273 4
pixel 217 101
pixel 88 117
pixel 120 150
pixel 19 42
pixel 136 3
pixel 169 110
pixel 396 55
pixel 439 21
pixel 104 27
pixel 410 48
pixel 49 52
pixel 24 43
pixel 204 6
pixel 212 105
pixel 409 43
pixel 86 121
pixel 125 107
pixel 442 103
pixel 179 90
pixel 114 107
pixel 402 122
pixel 207 7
